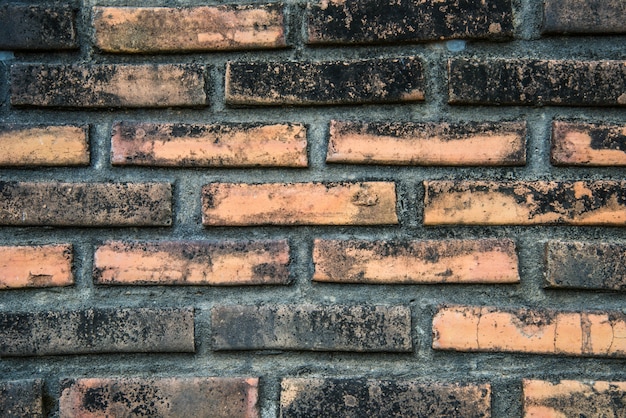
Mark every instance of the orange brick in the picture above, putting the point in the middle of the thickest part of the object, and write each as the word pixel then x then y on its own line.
pixel 408 143
pixel 25 145
pixel 384 262
pixel 232 145
pixel 525 203
pixel 36 266
pixel 588 144
pixel 193 263
pixel 366 203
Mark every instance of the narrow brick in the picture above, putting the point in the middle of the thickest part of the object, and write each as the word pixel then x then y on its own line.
pixel 165 29
pixel 312 328
pixel 36 266
pixel 363 22
pixel 571 398
pixel 21 398
pixel 37 27
pixel 217 145
pixel 537 82
pixel 107 85
pixel 367 203
pixel 28 145
pixel 539 331
pixel 198 397
pixel 525 203
pixel 85 204
pixel 584 16
pixel 387 262
pixel 407 143
pixel 330 398
pixel 324 83
pixel 588 144
pixel 94 331
pixel 192 263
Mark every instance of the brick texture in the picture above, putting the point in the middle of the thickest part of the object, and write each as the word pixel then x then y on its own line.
pixel 584 16
pixel 588 144
pixel 21 398
pixel 36 266
pixel 35 27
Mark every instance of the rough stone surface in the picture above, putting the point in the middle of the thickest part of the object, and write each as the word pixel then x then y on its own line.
pixel 36 266
pixel 21 398
pixel 584 16
pixel 34 27
pixel 588 144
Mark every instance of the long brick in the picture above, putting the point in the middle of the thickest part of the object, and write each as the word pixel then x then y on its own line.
pixel 107 85
pixel 37 27
pixel 36 266
pixel 525 203
pixel 192 263
pixel 571 398
pixel 537 82
pixel 385 262
pixel 29 145
pixel 93 331
pixel 21 398
pixel 216 145
pixel 330 398
pixel 208 397
pixel 407 143
pixel 366 203
pixel 584 16
pixel 539 331
pixel 323 83
pixel 363 21
pixel 312 328
pixel 588 144
pixel 85 204
pixel 167 29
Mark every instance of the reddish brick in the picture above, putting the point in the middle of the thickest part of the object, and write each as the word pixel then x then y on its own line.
pixel 470 328
pixel 367 203
pixel 210 397
pixel 385 262
pixel 525 203
pixel 584 16
pixel 21 398
pixel 37 27
pixel 192 263
pixel 406 143
pixel 588 144
pixel 223 145
pixel 36 266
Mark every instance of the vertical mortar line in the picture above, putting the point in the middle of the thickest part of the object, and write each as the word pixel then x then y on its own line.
pixel 85 33
pixel 528 19
pixel 215 91
pixel 317 143
pixel 506 396
pixel 538 148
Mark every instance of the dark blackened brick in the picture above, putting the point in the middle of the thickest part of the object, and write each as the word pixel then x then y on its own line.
pixel 37 28
pixel 21 398
pixel 584 16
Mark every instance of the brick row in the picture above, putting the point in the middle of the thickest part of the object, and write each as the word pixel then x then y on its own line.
pixel 36 266
pixel 588 144
pixel 583 17
pixel 21 398
pixel 34 27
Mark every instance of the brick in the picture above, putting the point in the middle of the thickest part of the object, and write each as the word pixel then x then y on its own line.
pixel 329 398
pixel 216 145
pixel 36 266
pixel 192 263
pixel 312 328
pixel 407 143
pixel 165 29
pixel 571 398
pixel 85 204
pixel 586 265
pixel 537 82
pixel 584 16
pixel 325 83
pixel 107 85
pixel 94 331
pixel 533 331
pixel 362 22
pixel 28 145
pixel 402 262
pixel 21 398
pixel 525 203
pixel 37 27
pixel 210 397
pixel 588 144
pixel 366 203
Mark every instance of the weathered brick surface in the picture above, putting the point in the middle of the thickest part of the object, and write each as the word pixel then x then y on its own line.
pixel 525 203
pixel 102 330
pixel 312 328
pixel 538 331
pixel 367 203
pixel 217 145
pixel 85 204
pixel 330 398
pixel 37 27
pixel 107 85
pixel 537 82
pixel 449 261
pixel 36 266
pixel 584 16
pixel 407 143
pixel 588 144
pixel 192 263
pixel 388 80
pixel 209 397
pixel 21 398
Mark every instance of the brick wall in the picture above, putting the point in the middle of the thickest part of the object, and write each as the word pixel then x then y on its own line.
pixel 340 208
